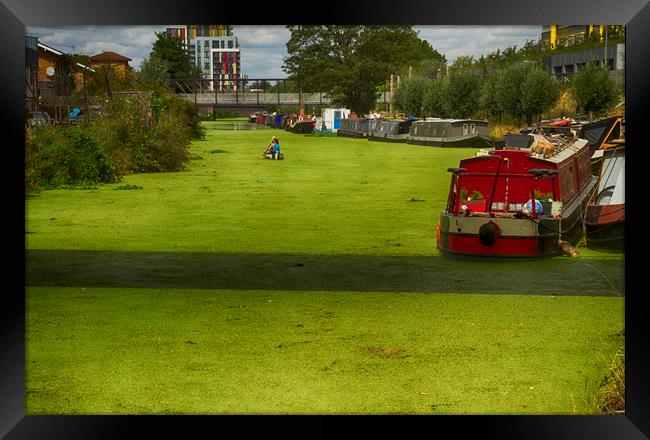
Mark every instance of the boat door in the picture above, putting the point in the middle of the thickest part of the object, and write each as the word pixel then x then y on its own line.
pixel 337 119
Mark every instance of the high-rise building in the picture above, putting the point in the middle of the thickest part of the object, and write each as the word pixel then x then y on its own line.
pixel 179 32
pixel 215 50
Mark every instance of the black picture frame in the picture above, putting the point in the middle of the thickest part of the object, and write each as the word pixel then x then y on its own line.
pixel 16 14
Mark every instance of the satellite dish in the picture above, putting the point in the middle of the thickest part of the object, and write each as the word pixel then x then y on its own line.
pixel 49 71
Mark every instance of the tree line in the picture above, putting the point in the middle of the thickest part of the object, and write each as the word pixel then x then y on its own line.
pixel 522 91
pixel 352 64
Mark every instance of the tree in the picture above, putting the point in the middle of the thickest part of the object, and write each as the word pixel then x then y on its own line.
pixel 409 96
pixel 489 100
pixel 539 92
pixel 432 68
pixel 520 90
pixel 174 54
pixel 462 94
pixel 594 90
pixel 108 78
pixel 153 73
pixel 463 63
pixel 434 99
pixel 351 63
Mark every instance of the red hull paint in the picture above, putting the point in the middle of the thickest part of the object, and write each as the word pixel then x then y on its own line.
pixel 503 246
pixel 598 215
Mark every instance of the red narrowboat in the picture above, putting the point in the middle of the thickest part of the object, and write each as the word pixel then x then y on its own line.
pixel 524 202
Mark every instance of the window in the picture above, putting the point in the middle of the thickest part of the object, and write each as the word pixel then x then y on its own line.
pixel 223 44
pixel 230 45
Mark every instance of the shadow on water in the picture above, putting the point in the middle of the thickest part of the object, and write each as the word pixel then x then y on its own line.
pixel 428 274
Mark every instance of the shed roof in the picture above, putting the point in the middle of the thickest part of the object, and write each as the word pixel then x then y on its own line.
pixel 109 56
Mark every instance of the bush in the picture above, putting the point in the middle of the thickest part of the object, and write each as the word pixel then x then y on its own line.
pixel 186 114
pixel 87 161
pixel 127 136
pixel 59 156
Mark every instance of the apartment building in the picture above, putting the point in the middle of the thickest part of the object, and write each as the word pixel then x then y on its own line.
pixel 215 50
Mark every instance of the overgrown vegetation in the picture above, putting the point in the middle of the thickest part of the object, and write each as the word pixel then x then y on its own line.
pixel 130 134
pixel 610 398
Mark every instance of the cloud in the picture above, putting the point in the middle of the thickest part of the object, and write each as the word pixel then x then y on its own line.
pixel 455 41
pixel 262 36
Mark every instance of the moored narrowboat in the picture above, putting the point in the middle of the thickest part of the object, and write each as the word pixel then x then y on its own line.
pixel 395 130
pixel 357 128
pixel 605 217
pixel 436 132
pixel 525 202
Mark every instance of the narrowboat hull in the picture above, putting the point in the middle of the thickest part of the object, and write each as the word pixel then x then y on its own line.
pixel 519 237
pixel 388 137
pixel 351 133
pixel 474 141
pixel 606 226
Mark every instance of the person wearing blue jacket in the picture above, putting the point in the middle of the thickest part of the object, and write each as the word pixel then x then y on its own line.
pixel 276 148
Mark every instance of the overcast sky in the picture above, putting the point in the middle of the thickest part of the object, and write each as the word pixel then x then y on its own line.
pixel 264 47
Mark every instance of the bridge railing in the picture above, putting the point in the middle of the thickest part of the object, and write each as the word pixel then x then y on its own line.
pixel 233 93
pixel 243 98
pixel 264 98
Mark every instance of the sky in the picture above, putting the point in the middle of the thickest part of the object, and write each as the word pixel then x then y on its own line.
pixel 263 48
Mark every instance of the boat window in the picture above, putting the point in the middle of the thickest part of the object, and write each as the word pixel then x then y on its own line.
pixel 473 128
pixel 465 129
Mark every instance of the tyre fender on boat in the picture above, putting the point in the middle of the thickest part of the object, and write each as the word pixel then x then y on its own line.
pixel 488 233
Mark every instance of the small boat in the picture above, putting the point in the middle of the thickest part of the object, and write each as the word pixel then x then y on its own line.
pixel 521 202
pixel 605 217
pixel 600 132
pixel 302 127
pixel 357 128
pixel 468 133
pixel 395 130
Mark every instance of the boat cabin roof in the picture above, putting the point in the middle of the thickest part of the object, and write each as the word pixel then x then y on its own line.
pixel 455 121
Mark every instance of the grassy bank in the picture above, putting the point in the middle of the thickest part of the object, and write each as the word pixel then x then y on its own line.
pixel 309 285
